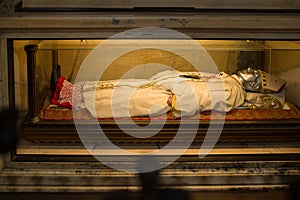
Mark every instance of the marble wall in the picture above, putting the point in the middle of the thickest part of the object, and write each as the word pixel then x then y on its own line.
pixel 7 7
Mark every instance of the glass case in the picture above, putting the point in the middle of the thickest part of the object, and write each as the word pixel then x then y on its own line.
pixel 230 56
pixel 55 68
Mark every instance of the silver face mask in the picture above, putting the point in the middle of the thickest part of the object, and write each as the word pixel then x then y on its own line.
pixel 260 81
pixel 251 79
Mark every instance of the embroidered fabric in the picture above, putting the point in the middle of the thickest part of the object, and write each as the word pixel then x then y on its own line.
pixel 185 93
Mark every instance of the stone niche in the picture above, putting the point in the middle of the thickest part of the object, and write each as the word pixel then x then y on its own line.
pixel 238 166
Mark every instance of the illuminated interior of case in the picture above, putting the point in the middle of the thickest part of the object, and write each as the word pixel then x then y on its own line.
pixel 276 57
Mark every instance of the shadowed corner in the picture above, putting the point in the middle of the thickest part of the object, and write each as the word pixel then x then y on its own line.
pixel 151 188
pixel 294 190
pixel 9 131
pixel 149 175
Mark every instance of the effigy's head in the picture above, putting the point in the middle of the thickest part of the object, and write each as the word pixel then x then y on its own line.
pixel 260 81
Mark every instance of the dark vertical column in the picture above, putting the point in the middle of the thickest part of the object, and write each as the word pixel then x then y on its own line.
pixel 54 59
pixel 11 73
pixel 32 116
